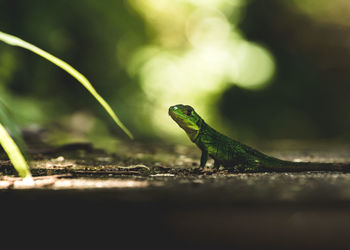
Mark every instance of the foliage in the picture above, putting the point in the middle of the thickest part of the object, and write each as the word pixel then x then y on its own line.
pixel 6 141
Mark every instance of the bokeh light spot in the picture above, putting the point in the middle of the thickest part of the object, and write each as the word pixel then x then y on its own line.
pixel 209 55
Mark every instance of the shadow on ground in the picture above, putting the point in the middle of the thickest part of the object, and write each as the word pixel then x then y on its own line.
pixel 154 195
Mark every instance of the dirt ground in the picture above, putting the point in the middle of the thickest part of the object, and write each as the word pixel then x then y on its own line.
pixel 154 194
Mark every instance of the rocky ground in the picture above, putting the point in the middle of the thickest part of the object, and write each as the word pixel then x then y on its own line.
pixel 154 194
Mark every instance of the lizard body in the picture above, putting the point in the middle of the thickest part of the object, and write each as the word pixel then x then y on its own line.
pixel 234 155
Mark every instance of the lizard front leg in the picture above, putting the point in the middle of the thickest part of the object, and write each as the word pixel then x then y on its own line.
pixel 204 159
pixel 216 164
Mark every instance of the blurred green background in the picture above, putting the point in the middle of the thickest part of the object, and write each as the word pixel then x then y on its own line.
pixel 254 69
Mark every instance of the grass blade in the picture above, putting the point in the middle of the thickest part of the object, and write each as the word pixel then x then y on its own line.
pixel 12 128
pixel 14 153
pixel 15 41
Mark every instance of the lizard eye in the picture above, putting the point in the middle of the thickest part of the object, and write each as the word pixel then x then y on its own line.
pixel 189 112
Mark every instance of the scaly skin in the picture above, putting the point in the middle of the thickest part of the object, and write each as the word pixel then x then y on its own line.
pixel 234 155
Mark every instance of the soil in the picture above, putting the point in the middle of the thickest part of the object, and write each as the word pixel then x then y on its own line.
pixel 154 194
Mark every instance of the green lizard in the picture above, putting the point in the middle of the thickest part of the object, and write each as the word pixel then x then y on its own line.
pixel 234 155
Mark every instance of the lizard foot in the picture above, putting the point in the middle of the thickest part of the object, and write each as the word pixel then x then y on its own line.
pixel 207 169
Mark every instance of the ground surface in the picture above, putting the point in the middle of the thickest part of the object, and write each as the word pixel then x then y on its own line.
pixel 153 194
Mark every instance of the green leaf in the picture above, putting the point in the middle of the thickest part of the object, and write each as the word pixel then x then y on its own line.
pixel 15 41
pixel 14 153
pixel 7 121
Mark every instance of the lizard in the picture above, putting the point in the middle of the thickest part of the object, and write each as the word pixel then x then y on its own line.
pixel 234 155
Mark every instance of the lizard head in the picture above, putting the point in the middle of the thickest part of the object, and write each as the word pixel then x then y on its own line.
pixel 187 119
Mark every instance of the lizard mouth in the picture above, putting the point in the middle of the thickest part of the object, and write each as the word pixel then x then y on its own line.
pixel 171 111
pixel 176 117
pixel 173 116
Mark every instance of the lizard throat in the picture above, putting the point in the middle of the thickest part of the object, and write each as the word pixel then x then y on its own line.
pixel 192 134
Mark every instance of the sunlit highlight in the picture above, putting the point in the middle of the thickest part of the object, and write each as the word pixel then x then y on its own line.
pixel 196 54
